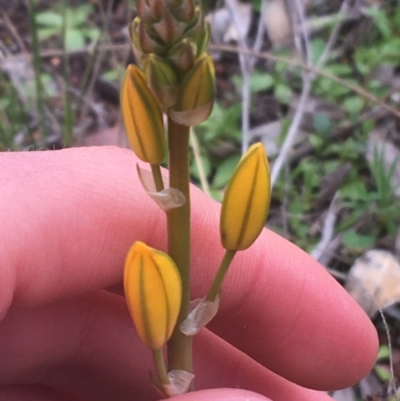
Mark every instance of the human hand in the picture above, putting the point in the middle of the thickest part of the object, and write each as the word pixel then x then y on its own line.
pixel 67 220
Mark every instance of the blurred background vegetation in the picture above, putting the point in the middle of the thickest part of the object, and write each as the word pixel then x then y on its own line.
pixel 318 84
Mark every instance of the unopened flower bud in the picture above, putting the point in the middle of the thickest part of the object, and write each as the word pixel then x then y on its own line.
pixel 150 10
pixel 135 45
pixel 148 40
pixel 198 93
pixel 183 54
pixel 246 200
pixel 197 31
pixel 168 28
pixel 153 292
pixel 162 79
pixel 142 117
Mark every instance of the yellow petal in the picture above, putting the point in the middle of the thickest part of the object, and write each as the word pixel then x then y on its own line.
pixel 246 200
pixel 142 117
pixel 153 292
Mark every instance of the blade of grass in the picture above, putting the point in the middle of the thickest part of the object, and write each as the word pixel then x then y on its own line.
pixel 37 66
pixel 68 114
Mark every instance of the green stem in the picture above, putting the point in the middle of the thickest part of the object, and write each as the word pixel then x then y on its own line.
pixel 158 358
pixel 178 221
pixel 219 277
pixel 157 177
pixel 37 66
pixel 68 138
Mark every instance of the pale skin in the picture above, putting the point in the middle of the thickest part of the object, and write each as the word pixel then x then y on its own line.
pixel 285 331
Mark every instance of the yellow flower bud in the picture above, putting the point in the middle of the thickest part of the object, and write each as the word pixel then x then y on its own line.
pixel 142 117
pixel 246 200
pixel 198 93
pixel 153 292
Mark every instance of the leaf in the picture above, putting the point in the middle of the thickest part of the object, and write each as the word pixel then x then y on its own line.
pixel 322 124
pixel 383 373
pixel 225 171
pixel 316 141
pixel 357 242
pixel 354 190
pixel 79 15
pixel 353 105
pixel 317 48
pixel 258 82
pixel 93 33
pixel 45 33
pixel 74 39
pixel 49 19
pixel 383 353
pixel 283 93
pixel 206 166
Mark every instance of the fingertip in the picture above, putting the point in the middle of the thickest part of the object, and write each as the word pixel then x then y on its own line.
pixel 222 394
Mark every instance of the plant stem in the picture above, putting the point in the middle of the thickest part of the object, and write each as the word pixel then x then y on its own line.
pixel 157 177
pixel 37 66
pixel 158 358
pixel 178 221
pixel 219 277
pixel 68 138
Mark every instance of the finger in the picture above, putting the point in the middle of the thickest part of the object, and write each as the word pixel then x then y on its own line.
pixel 87 347
pixel 81 209
pixel 222 395
pixel 33 392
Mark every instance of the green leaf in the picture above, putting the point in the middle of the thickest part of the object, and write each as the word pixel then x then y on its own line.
pixel 45 33
pixel 317 48
pixel 316 141
pixel 383 353
pixel 258 81
pixel 49 19
pixel 225 171
pixel 383 372
pixel 358 242
pixel 111 75
pixel 74 39
pixel 93 33
pixel 194 170
pixel 353 105
pixel 322 124
pixel 354 190
pixel 79 15
pixel 339 69
pixel 283 93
